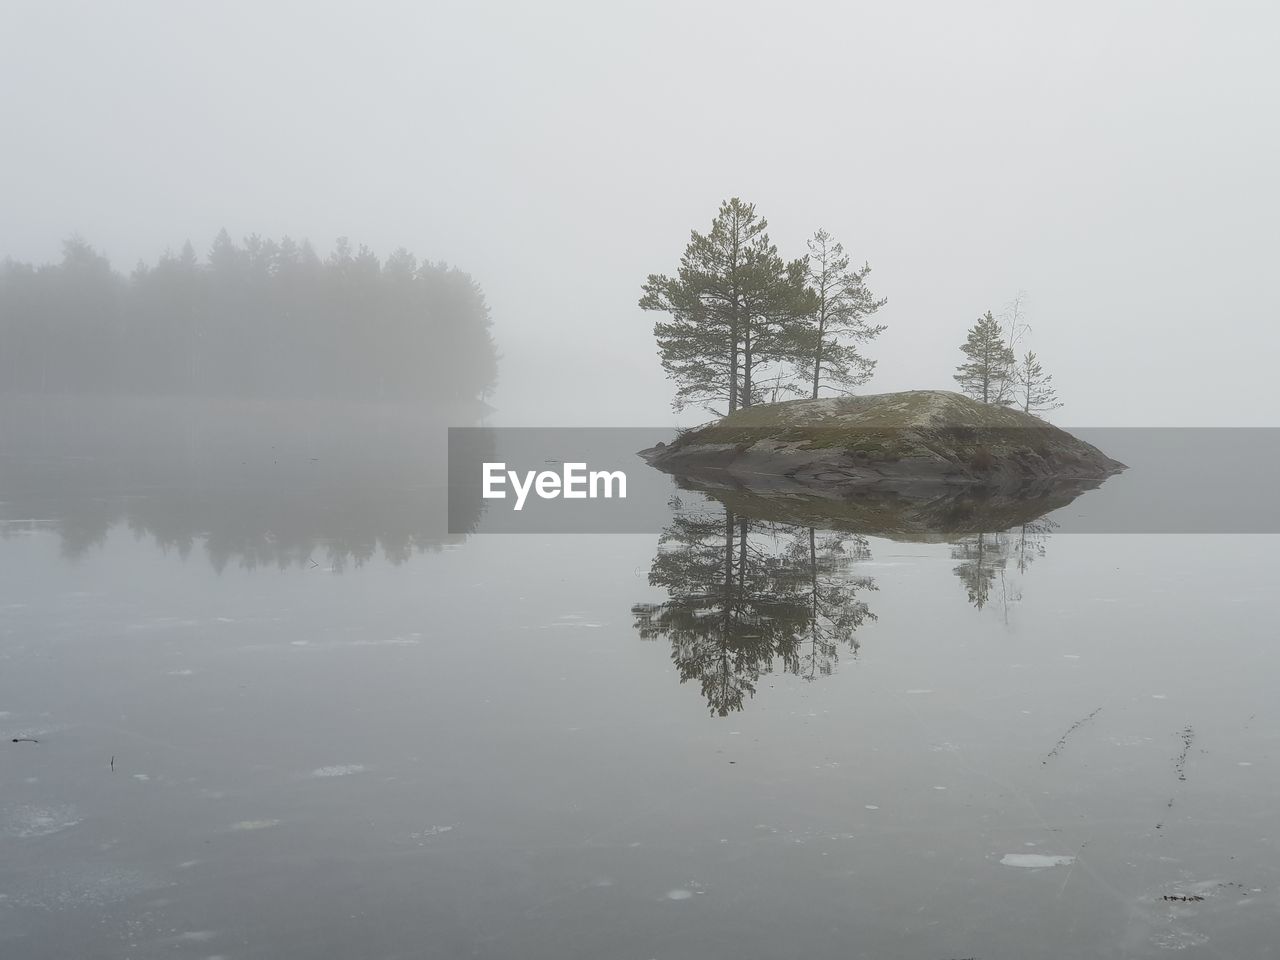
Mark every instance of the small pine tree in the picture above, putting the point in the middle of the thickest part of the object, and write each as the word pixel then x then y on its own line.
pixel 842 304
pixel 988 361
pixel 1035 391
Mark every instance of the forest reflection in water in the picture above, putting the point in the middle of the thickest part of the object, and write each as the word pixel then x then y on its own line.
pixel 752 592
pixel 248 483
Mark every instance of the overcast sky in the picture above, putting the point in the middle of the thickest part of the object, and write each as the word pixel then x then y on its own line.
pixel 1116 161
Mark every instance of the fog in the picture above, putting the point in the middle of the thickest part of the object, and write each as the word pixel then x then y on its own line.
pixel 309 657
pixel 1114 161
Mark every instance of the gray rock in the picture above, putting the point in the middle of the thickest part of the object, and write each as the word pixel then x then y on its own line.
pixel 918 437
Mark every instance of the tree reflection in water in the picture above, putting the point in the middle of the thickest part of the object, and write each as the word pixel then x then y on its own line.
pixel 748 596
pixel 985 556
pixel 759 583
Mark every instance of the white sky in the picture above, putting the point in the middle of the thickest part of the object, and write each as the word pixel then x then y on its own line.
pixel 1117 161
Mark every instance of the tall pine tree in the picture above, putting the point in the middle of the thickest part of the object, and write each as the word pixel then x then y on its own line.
pixel 775 330
pixel 734 305
pixel 842 305
pixel 988 365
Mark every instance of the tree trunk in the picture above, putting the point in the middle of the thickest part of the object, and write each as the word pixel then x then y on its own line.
pixel 817 359
pixel 735 318
pixel 733 369
pixel 728 549
pixel 822 326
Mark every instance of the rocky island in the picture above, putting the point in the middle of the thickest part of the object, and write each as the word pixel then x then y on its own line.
pixel 836 446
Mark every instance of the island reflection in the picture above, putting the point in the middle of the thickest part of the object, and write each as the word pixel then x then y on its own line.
pixel 758 585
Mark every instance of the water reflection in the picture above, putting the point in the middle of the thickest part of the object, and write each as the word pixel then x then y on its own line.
pixel 758 583
pixel 248 484
pixel 924 511
pixel 209 740
pixel 984 556
pixel 746 594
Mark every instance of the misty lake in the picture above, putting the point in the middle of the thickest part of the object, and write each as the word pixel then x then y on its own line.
pixel 255 702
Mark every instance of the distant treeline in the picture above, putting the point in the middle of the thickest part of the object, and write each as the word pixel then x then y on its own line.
pixel 262 319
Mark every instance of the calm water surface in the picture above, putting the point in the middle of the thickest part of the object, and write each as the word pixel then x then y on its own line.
pixel 281 716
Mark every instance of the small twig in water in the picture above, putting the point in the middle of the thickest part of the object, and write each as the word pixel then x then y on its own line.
pixel 1072 866
pixel 1180 764
pixel 25 740
pixel 1188 736
pixel 1062 741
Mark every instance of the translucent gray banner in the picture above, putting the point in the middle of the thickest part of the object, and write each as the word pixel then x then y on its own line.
pixel 594 480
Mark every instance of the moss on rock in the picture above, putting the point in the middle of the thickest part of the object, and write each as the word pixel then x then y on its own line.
pixel 916 435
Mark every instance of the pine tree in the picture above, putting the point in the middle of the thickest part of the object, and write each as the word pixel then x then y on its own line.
pixel 775 330
pixel 1035 391
pixel 989 361
pixel 262 319
pixel 733 305
pixel 842 304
